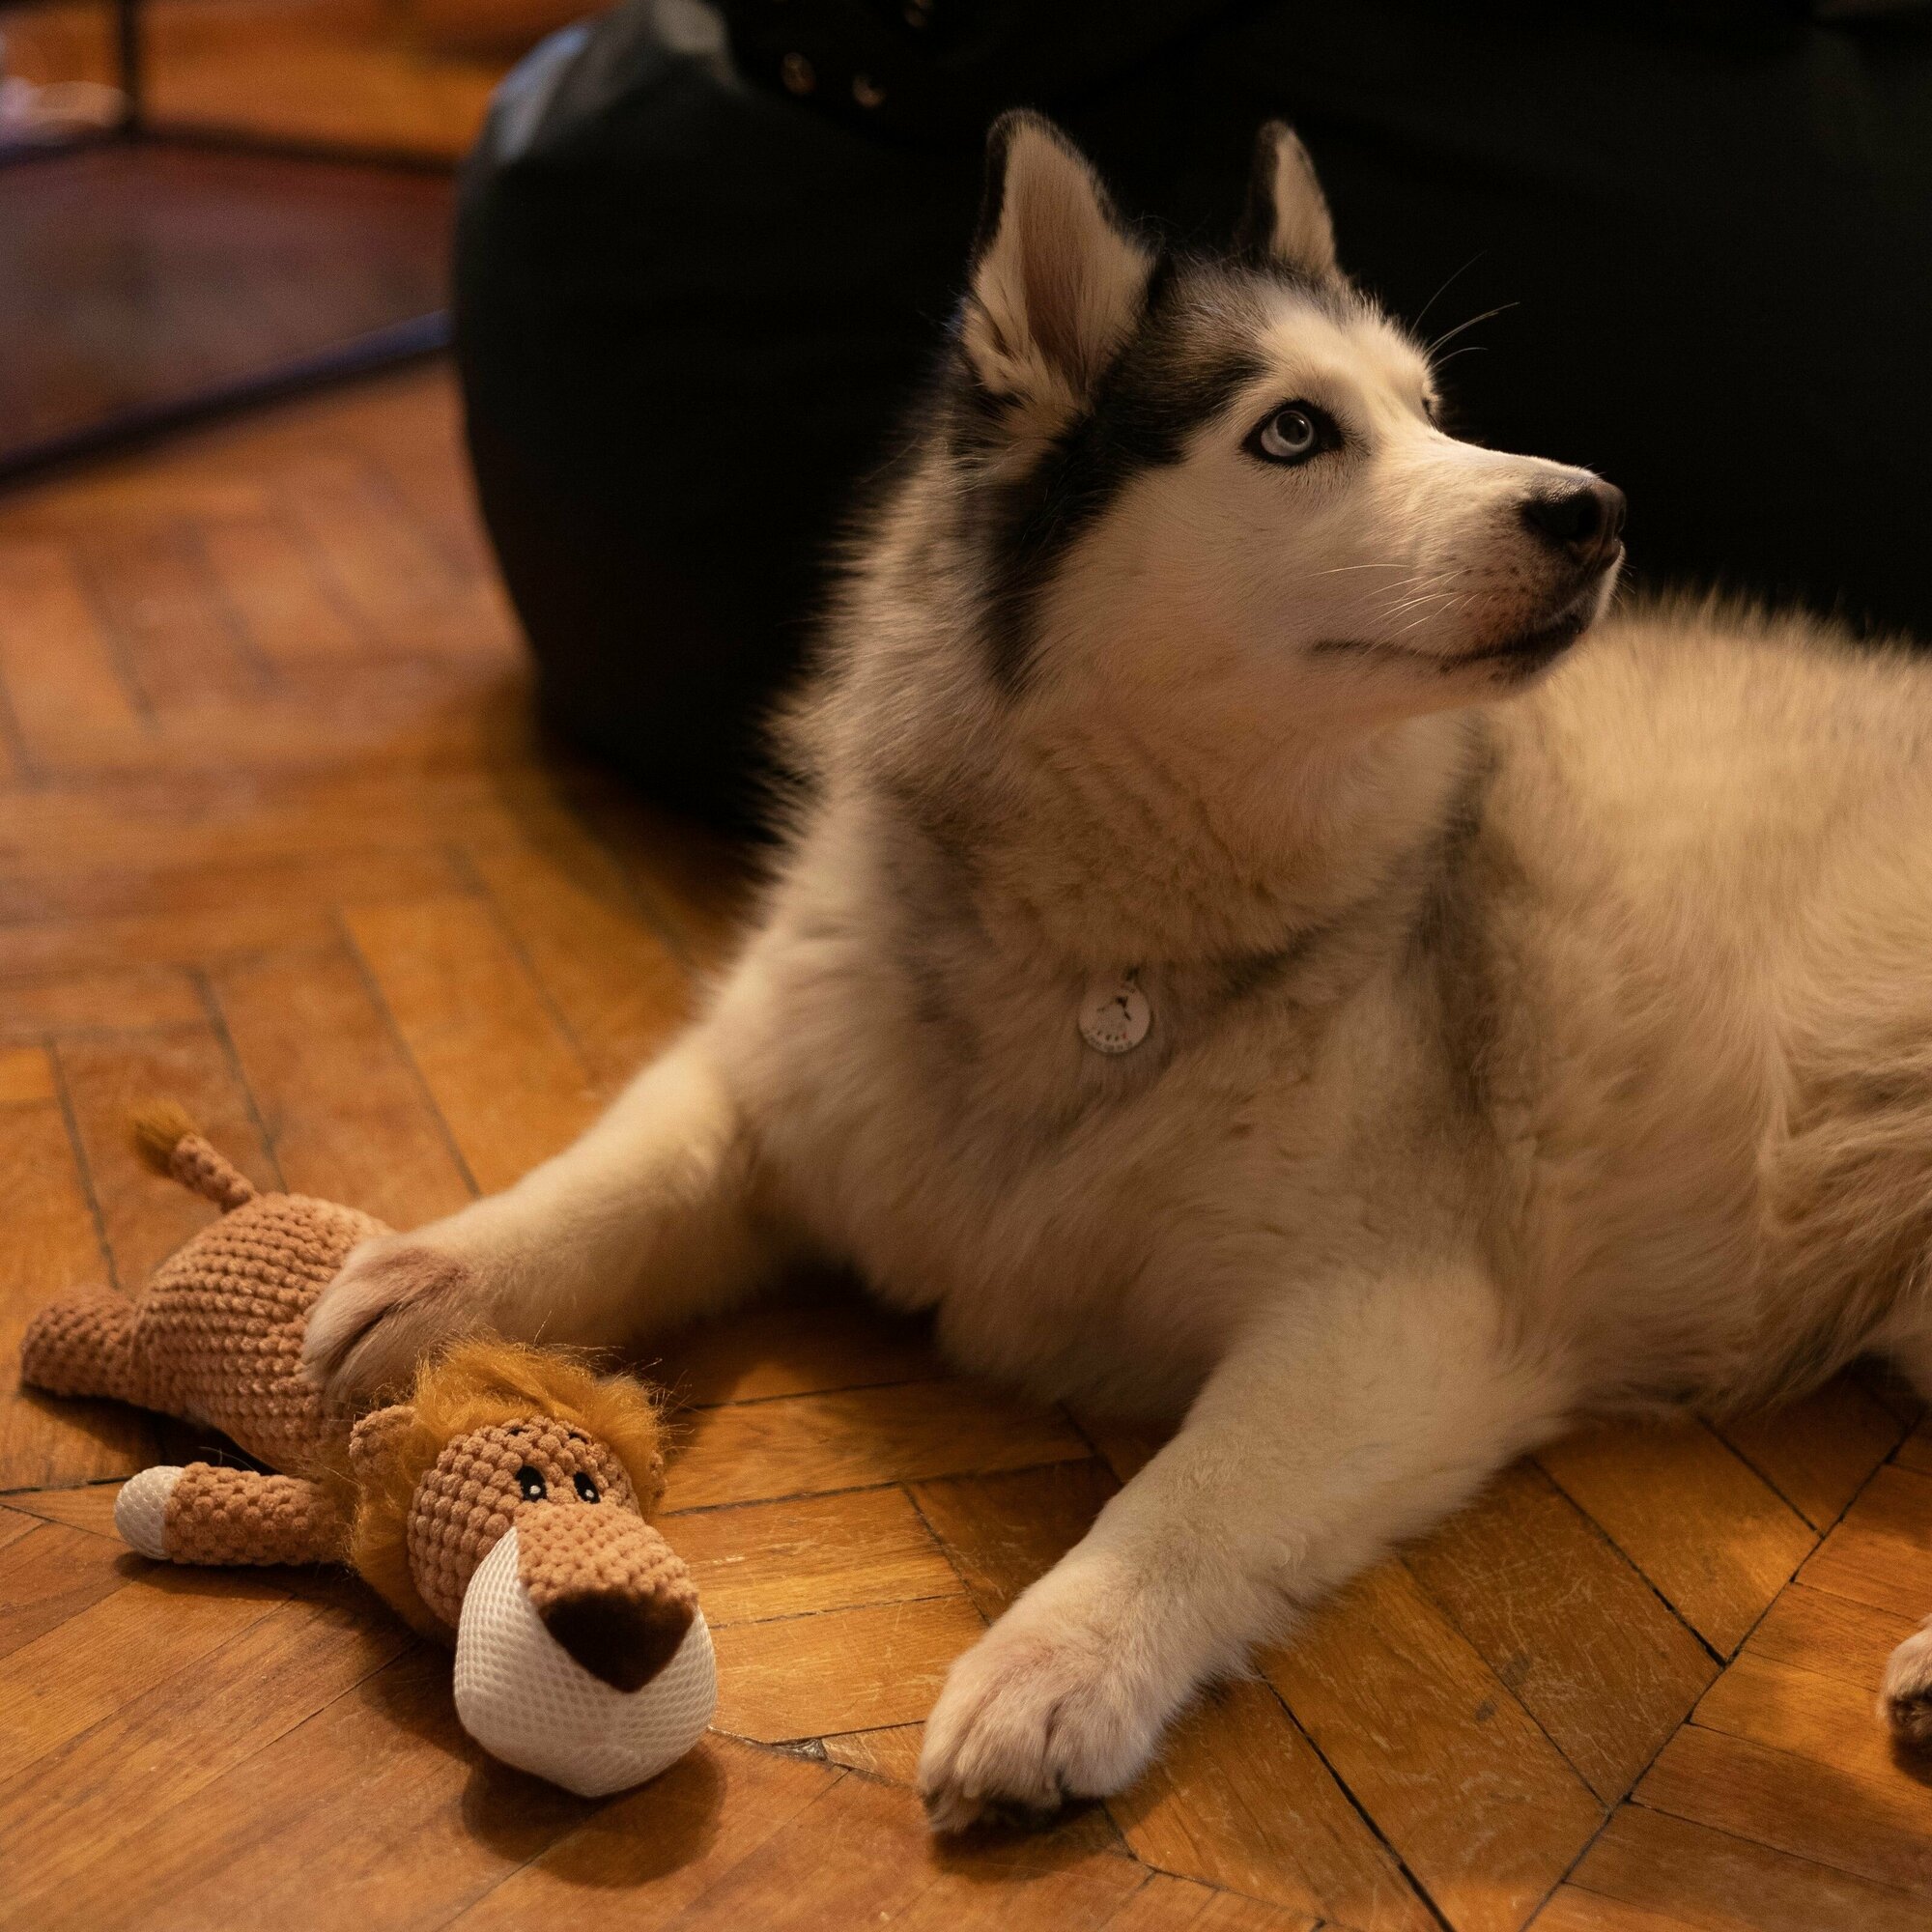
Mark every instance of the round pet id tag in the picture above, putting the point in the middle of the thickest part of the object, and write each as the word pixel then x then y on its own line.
pixel 1115 1016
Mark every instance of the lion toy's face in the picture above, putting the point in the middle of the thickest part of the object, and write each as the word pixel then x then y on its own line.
pixel 581 1652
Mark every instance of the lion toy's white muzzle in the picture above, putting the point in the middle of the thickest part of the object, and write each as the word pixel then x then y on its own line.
pixel 525 1699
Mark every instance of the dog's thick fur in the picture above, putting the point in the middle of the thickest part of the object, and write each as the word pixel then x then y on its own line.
pixel 1523 1042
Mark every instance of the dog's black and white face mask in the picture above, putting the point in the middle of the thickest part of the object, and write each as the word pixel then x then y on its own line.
pixel 1227 472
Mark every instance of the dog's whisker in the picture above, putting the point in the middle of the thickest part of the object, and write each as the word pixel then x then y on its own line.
pixel 1442 288
pixel 1449 335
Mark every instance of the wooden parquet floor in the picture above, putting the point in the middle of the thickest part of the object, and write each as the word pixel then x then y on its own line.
pixel 276 838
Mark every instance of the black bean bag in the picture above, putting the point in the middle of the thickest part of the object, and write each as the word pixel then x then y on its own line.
pixel 699 276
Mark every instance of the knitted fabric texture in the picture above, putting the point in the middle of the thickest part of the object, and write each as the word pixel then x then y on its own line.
pixel 219 1335
pixel 212 1175
pixel 522 1697
pixel 81 1345
pixel 465 1503
pixel 572 1552
pixel 239 1516
pixel 597 1671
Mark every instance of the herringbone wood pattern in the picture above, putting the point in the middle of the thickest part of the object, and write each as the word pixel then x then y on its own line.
pixel 276 839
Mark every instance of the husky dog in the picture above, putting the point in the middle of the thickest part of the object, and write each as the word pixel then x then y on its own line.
pixel 1241 958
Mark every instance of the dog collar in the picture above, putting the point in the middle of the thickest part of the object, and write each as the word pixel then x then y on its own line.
pixel 1114 1014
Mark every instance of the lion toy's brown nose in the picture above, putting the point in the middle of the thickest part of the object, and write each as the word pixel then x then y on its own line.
pixel 608 1589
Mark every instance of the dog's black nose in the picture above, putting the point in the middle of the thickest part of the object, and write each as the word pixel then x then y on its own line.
pixel 1586 522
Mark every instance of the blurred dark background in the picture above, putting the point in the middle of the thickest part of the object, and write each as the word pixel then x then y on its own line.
pixel 705 254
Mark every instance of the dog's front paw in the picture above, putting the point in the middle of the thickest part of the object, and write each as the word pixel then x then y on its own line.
pixel 1905 1698
pixel 1045 1707
pixel 398 1298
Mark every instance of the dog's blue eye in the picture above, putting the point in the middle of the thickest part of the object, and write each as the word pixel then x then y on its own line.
pixel 1291 435
pixel 531 1483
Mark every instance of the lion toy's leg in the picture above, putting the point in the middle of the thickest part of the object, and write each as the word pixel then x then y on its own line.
pixel 83 1345
pixel 203 1515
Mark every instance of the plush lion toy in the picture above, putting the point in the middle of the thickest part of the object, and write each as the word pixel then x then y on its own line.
pixel 501 1508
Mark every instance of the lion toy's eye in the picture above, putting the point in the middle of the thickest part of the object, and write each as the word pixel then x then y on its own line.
pixel 531 1483
pixel 585 1488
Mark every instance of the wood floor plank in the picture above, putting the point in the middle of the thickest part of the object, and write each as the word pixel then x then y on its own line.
pixel 190 937
pixel 1879 1829
pixel 1828 1719
pixel 1818 1452
pixel 26 1073
pixel 50 1248
pixel 861 1855
pixel 1035 1889
pixel 1126 1447
pixel 212 883
pixel 506 1079
pixel 836 1552
pixel 804 1341
pixel 270 582
pixel 1568 1625
pixel 65 689
pixel 840 1670
pixel 1239 1797
pixel 891 1752
pixel 854 1438
pixel 701 885
pixel 350 1123
pixel 1881 1553
pixel 1915 1451
pixel 649 1854
pixel 379 1798
pixel 1472 1796
pixel 129 999
pixel 95 1799
pixel 380 563
pixel 87 1506
pixel 1168 1904
pixel 1812 1629
pixel 1714 1882
pixel 147 1217
pixel 136 491
pixel 1716 1540
pixel 157 1620
pixel 49 1573
pixel 1571 1908
pixel 334 808
pixel 1001 1532
pixel 610 975
pixel 177 638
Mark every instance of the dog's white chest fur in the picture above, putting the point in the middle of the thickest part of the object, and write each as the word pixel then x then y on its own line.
pixel 1086 1222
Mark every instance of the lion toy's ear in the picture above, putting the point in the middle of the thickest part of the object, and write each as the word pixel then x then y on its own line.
pixel 374 1440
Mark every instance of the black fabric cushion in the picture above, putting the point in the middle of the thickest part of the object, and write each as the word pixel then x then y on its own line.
pixel 691 308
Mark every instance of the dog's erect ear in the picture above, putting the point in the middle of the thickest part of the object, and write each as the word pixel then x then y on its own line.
pixel 1286 219
pixel 1057 279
